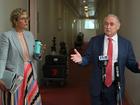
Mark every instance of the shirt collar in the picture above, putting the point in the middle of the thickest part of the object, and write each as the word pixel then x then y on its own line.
pixel 114 38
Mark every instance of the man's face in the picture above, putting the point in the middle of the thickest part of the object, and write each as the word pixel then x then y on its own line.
pixel 111 26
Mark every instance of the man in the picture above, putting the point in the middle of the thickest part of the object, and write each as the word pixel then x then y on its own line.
pixel 115 49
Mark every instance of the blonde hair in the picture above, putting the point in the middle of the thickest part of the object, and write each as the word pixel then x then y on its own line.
pixel 15 14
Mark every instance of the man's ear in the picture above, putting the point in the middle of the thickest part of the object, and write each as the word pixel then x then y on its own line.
pixel 118 27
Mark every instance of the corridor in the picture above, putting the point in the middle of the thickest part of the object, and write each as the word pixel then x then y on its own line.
pixel 75 92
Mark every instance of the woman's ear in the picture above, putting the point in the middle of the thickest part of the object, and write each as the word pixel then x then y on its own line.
pixel 15 22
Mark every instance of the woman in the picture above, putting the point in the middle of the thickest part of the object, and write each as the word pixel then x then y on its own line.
pixel 17 55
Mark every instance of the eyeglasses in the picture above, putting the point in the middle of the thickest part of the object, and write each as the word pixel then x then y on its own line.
pixel 107 24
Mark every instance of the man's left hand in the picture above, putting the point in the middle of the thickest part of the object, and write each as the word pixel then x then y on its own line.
pixel 139 65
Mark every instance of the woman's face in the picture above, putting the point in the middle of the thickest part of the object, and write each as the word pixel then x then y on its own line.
pixel 22 21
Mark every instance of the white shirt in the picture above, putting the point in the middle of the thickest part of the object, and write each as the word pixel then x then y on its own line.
pixel 115 50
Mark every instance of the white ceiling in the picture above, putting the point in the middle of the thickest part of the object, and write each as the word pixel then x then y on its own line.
pixel 78 5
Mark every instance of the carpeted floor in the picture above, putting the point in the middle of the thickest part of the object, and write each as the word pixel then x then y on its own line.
pixel 68 95
pixel 75 92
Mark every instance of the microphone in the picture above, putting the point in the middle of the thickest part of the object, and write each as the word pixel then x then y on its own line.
pixel 117 80
pixel 103 62
pixel 117 74
pixel 103 59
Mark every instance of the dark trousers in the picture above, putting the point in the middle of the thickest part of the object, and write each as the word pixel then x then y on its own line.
pixel 107 96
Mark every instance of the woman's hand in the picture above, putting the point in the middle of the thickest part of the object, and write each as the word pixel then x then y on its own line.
pixel 43 51
pixel 2 86
pixel 139 65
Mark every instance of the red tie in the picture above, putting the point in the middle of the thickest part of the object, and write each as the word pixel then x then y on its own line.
pixel 108 80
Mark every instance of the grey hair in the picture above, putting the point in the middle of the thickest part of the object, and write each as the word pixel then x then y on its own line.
pixel 116 17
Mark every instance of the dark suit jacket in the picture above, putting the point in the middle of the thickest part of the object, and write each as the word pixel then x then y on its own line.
pixel 126 58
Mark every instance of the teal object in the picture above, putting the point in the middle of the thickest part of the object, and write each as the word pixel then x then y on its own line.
pixel 37 49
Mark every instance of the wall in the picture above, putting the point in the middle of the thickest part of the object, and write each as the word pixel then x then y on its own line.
pixel 105 7
pixel 129 14
pixel 88 33
pixel 33 17
pixel 6 6
pixel 56 19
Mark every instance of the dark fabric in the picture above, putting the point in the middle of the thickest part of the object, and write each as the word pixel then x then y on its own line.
pixel 126 58
pixel 107 96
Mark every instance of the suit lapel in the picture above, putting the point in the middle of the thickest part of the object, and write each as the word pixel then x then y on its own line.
pixel 16 42
pixel 119 48
pixel 101 45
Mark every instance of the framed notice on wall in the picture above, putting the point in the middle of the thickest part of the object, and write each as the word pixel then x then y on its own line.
pixel 59 24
